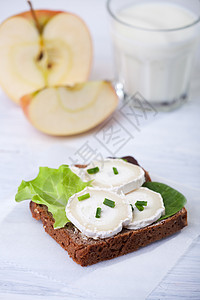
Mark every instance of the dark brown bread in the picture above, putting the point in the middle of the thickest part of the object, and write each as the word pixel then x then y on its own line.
pixel 87 251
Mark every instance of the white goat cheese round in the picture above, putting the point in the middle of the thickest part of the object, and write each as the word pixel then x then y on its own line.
pixel 152 212
pixel 128 178
pixel 82 213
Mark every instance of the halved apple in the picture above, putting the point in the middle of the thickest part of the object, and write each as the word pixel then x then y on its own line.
pixel 70 110
pixel 60 55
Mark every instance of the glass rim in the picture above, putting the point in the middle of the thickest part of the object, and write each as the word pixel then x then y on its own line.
pixel 114 16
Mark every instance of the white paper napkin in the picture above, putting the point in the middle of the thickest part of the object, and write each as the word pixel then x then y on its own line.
pixel 25 243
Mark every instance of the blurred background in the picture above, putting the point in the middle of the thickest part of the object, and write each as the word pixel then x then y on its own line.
pixel 166 144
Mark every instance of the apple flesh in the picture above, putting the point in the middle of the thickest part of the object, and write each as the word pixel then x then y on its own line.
pixel 71 110
pixel 60 55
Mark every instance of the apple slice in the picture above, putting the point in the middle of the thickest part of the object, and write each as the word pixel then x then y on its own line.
pixel 70 110
pixel 60 54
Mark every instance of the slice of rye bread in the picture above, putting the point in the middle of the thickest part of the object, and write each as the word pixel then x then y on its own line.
pixel 87 251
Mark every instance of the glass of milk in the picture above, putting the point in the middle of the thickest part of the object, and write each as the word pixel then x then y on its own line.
pixel 154 48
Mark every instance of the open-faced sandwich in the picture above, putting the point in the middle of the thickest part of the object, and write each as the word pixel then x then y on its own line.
pixel 103 210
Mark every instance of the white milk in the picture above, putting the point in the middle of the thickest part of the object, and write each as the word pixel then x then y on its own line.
pixel 157 64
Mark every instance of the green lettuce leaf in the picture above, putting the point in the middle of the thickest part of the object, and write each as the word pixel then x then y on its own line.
pixel 52 187
pixel 173 200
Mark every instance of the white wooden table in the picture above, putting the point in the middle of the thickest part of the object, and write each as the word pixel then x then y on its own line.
pixel 167 144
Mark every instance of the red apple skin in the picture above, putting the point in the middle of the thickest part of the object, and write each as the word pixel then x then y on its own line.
pixel 24 103
pixel 43 16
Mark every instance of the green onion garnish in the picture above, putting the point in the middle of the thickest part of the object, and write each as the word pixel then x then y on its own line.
pixel 83 197
pixel 115 171
pixel 124 159
pixel 98 212
pixel 109 202
pixel 93 170
pixel 143 203
pixel 140 205
pixel 132 207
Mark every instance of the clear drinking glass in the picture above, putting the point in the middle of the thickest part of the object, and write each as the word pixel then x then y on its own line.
pixel 154 46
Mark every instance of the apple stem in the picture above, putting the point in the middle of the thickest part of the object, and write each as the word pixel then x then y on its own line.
pixel 39 28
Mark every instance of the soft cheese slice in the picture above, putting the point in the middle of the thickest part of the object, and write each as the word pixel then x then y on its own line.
pixel 152 212
pixel 129 177
pixel 83 213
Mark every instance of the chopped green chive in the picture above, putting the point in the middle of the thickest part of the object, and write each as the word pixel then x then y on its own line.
pixel 93 170
pixel 132 207
pixel 124 159
pixel 143 203
pixel 109 202
pixel 115 171
pixel 98 212
pixel 140 205
pixel 83 197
